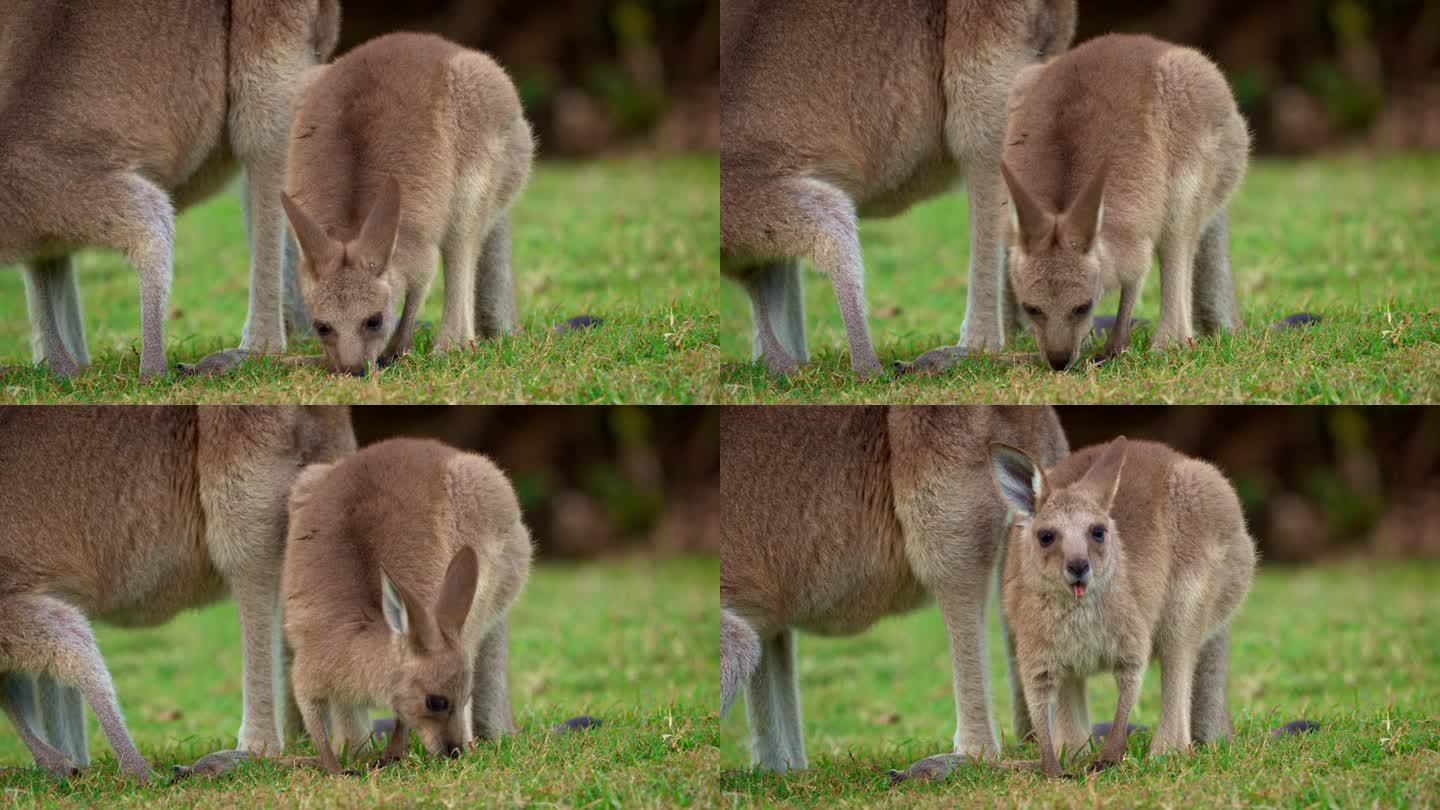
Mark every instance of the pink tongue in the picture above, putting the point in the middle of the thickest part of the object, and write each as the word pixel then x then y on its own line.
pixel 1079 590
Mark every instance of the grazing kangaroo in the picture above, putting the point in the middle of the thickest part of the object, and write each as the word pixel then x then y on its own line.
pixel 128 516
pixel 1120 553
pixel 1117 150
pixel 404 150
pixel 113 116
pixel 833 110
pixel 402 562
pixel 835 517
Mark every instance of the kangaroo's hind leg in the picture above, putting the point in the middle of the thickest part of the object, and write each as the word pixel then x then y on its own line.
pixel 495 310
pixel 1209 714
pixel 53 296
pixel 62 714
pixel 1214 286
pixel 778 298
pixel 491 714
pixel 18 699
pixel 809 218
pixel 43 634
pixel 777 740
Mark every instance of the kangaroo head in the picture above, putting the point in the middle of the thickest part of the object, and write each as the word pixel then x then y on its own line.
pixel 1065 536
pixel 347 285
pixel 1054 266
pixel 430 687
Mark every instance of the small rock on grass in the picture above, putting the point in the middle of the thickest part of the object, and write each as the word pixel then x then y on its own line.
pixel 1298 319
pixel 579 322
pixel 577 723
pixel 1100 731
pixel 1104 323
pixel 1296 727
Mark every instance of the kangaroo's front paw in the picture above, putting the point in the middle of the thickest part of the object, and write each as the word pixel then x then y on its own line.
pixel 981 341
pixel 57 766
pixel 1165 341
pixel 866 366
pixel 450 343
pixel 1102 763
pixel 781 363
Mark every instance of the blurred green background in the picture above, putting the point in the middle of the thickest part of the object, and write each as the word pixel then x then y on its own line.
pixel 594 75
pixel 590 479
pixel 1308 74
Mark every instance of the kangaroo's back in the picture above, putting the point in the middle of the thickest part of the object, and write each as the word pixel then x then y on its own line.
pixel 1146 108
pixel 404 506
pixel 415 107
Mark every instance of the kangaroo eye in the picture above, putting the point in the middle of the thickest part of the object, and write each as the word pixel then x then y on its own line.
pixel 323 329
pixel 374 322
pixel 1098 532
pixel 437 703
pixel 1084 309
pixel 1033 312
pixel 1046 536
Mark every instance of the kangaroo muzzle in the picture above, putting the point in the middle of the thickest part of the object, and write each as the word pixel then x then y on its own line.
pixel 1077 575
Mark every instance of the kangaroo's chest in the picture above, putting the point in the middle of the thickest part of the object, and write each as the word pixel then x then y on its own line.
pixel 1084 642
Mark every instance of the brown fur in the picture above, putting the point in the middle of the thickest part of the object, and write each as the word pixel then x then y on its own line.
pixel 115 115
pixel 128 516
pixel 1172 565
pixel 443 528
pixel 833 110
pixel 416 122
pixel 837 516
pixel 1119 150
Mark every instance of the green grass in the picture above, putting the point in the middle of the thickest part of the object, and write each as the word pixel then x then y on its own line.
pixel 1354 239
pixel 632 241
pixel 631 641
pixel 1354 647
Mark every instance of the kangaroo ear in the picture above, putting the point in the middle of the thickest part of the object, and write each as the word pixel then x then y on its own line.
pixel 1081 224
pixel 1032 222
pixel 317 245
pixel 458 591
pixel 1019 479
pixel 1103 477
pixel 396 614
pixel 382 225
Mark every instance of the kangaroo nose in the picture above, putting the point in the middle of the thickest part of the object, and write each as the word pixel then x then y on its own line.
pixel 1059 362
pixel 1077 569
pixel 452 750
pixel 358 371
